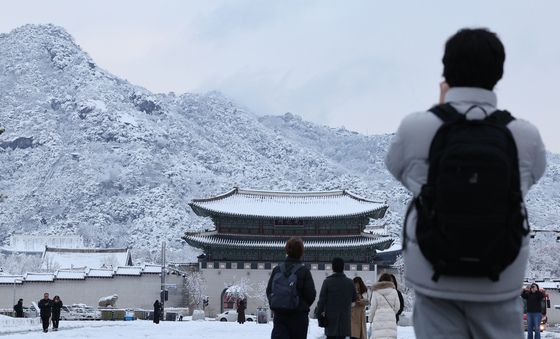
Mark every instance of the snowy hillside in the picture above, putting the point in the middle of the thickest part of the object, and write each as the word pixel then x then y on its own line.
pixel 87 153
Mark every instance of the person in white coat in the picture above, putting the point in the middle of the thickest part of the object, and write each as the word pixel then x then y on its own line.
pixel 385 304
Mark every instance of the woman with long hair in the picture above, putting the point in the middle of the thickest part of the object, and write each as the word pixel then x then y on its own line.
pixel 358 310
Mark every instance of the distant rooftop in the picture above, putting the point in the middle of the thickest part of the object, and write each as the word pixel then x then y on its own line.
pixel 72 258
pixel 301 205
pixel 36 243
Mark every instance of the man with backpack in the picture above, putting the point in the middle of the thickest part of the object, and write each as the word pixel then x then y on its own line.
pixel 290 292
pixel 468 166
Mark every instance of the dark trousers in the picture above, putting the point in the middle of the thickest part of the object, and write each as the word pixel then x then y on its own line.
pixel 55 322
pixel 290 326
pixel 45 321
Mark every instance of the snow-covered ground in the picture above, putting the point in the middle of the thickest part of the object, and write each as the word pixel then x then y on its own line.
pixel 147 329
pixel 191 329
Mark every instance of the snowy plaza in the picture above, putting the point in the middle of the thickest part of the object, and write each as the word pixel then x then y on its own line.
pixel 209 329
pixel 147 329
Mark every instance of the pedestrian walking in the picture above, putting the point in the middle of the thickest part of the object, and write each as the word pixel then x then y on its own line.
pixel 157 311
pixel 241 311
pixel 384 306
pixel 359 310
pixel 534 298
pixel 335 302
pixel 468 166
pixel 56 307
pixel 290 292
pixel 18 308
pixel 401 298
pixel 45 308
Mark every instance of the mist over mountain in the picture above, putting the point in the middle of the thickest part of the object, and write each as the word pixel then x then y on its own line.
pixel 88 153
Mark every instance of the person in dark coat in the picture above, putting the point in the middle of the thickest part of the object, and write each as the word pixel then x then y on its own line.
pixel 56 307
pixel 157 311
pixel 45 307
pixel 241 311
pixel 401 298
pixel 335 302
pixel 293 324
pixel 534 297
pixel 18 308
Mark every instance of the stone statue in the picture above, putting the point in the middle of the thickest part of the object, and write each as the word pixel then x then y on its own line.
pixel 108 301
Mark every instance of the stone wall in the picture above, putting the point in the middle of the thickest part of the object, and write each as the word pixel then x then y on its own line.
pixel 133 291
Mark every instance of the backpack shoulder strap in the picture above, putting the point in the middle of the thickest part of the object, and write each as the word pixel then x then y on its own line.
pixel 297 267
pixel 446 113
pixel 500 117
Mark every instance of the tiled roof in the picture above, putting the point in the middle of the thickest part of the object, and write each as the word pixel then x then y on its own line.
pixel 39 277
pixel 10 279
pixel 148 268
pixel 128 270
pixel 268 204
pixel 72 275
pixel 81 274
pixel 217 240
pixel 100 273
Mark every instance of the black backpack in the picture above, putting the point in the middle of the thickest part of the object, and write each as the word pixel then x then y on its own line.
pixel 471 215
pixel 284 295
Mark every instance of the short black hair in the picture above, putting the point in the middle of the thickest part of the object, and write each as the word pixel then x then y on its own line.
pixel 337 265
pixel 473 58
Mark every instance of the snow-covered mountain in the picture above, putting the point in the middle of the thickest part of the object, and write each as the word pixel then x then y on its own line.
pixel 87 153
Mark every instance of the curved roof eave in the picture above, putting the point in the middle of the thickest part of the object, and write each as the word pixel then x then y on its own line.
pixel 201 211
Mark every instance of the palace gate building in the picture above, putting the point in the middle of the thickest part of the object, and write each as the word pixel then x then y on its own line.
pixel 252 227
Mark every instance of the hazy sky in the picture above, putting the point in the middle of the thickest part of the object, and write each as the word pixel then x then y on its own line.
pixel 359 64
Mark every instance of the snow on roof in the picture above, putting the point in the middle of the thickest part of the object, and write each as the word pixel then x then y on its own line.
pixel 395 246
pixel 69 258
pixel 243 202
pixel 100 273
pixel 10 279
pixel 217 240
pixel 80 274
pixel 73 275
pixel 39 276
pixel 149 268
pixel 36 243
pixel 128 270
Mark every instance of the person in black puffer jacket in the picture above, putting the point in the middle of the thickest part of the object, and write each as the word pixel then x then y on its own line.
pixel 293 323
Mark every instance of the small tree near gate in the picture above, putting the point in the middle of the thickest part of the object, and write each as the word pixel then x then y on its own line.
pixel 194 290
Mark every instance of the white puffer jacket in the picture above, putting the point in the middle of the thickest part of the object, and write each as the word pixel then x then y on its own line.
pixel 384 305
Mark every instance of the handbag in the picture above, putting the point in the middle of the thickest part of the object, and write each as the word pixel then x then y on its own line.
pixel 323 320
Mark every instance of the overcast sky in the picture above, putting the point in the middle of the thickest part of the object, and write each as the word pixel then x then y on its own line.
pixel 359 64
